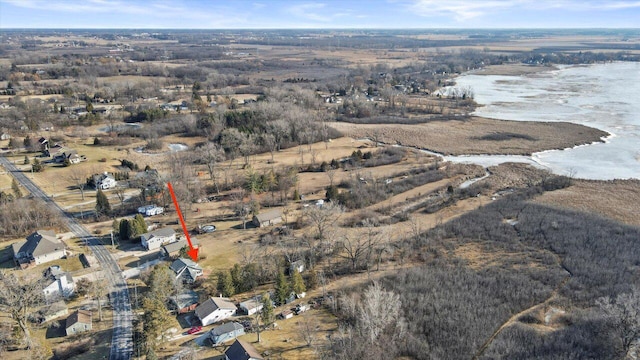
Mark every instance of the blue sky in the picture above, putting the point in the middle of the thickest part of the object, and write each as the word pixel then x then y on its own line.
pixel 239 14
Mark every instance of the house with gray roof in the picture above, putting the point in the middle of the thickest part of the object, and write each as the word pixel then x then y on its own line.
pixel 40 247
pixel 268 218
pixel 242 350
pixel 156 238
pixel 173 249
pixel 185 301
pixel 226 332
pixel 214 310
pixel 186 269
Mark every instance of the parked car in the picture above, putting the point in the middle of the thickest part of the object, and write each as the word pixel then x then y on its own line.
pixel 194 330
pixel 209 228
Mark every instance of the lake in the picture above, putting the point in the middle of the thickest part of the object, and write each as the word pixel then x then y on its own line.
pixel 603 96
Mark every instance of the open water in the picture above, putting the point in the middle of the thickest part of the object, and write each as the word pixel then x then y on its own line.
pixel 603 96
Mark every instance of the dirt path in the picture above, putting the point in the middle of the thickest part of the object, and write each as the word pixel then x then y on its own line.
pixel 513 319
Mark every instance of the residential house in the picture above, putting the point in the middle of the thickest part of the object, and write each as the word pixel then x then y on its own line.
pixel 79 321
pixel 64 154
pixel 104 181
pixel 172 250
pixel 251 306
pixel 186 269
pixel 40 247
pixel 52 311
pixel 156 238
pixel 241 350
pixel 225 332
pixel 59 283
pixel 214 310
pixel 185 301
pixel 268 218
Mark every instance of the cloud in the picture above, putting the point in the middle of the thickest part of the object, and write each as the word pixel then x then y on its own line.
pixel 462 10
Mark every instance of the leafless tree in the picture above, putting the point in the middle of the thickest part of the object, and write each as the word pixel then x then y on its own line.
pixel 623 311
pixel 79 179
pixel 324 217
pixel 212 154
pixel 307 329
pixel 18 297
pixel 378 312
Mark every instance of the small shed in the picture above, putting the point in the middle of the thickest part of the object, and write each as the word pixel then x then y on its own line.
pixel 251 306
pixel 226 332
pixel 286 314
pixel 268 218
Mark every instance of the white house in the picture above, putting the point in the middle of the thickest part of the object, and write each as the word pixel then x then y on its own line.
pixel 60 285
pixel 105 181
pixel 150 210
pixel 156 238
pixel 214 310
pixel 251 306
pixel 38 248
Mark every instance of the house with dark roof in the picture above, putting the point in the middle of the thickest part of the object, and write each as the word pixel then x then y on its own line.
pixel 184 302
pixel 186 269
pixel 226 332
pixel 268 218
pixel 79 321
pixel 214 310
pixel 156 238
pixel 40 247
pixel 242 350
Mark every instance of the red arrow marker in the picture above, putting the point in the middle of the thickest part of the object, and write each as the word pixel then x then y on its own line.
pixel 192 252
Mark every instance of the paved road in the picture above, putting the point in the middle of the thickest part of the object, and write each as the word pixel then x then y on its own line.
pixel 122 339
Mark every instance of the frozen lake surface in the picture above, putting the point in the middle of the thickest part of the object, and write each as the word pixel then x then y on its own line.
pixel 603 96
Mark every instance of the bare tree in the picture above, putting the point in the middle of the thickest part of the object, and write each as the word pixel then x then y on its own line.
pixel 79 179
pixel 17 298
pixel 307 329
pixel 324 217
pixel 379 312
pixel 623 311
pixel 212 154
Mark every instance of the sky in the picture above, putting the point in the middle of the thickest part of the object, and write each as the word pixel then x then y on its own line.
pixel 320 14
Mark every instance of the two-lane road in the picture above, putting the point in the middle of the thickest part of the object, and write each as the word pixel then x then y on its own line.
pixel 122 339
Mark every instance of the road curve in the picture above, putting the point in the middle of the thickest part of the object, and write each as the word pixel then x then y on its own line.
pixel 122 338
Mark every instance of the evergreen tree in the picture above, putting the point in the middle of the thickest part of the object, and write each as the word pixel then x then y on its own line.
pixel 282 288
pixel 126 229
pixel 156 320
pixel 225 284
pixel 139 225
pixel 236 277
pixel 267 309
pixel 16 188
pixel 37 166
pixel 249 277
pixel 115 226
pixel 102 204
pixel 297 284
pixel 26 160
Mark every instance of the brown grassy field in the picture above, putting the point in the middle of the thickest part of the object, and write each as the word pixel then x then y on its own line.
pixel 617 200
pixel 467 137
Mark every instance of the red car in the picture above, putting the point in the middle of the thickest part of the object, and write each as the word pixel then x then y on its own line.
pixel 194 330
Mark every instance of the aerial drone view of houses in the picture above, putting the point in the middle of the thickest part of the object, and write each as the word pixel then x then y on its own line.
pixel 310 195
